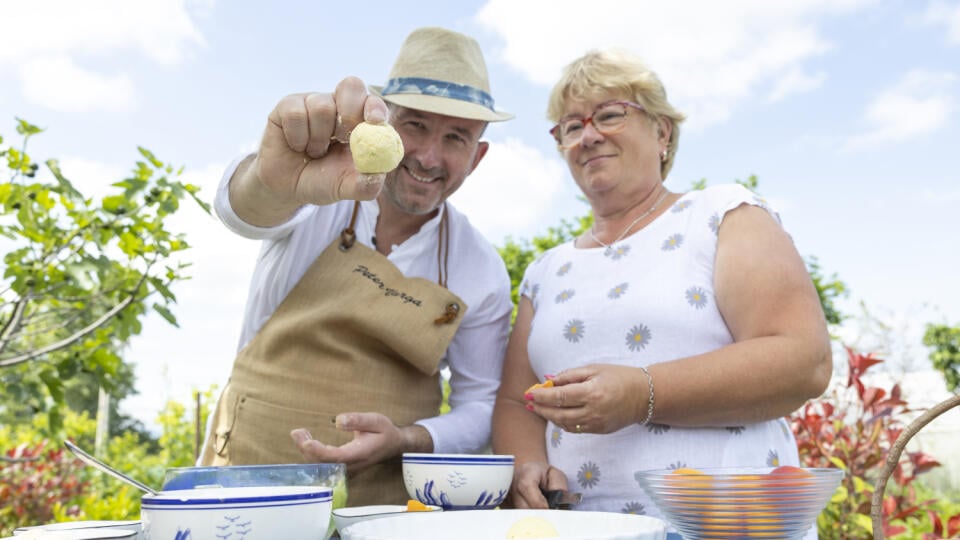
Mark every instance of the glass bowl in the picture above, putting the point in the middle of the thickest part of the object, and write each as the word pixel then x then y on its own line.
pixel 781 503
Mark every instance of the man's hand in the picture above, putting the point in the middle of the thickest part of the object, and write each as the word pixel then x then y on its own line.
pixel 375 439
pixel 304 157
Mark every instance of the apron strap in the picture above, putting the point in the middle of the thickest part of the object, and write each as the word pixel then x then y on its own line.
pixel 349 236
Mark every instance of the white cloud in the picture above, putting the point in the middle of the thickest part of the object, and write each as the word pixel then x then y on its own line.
pixel 38 36
pixel 58 83
pixel 919 104
pixel 712 56
pixel 519 182
pixel 943 14
pixel 795 82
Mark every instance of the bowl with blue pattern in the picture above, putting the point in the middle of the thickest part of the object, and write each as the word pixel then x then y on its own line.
pixel 287 512
pixel 458 481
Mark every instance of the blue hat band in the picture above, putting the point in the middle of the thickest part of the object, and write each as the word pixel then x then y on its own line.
pixel 434 87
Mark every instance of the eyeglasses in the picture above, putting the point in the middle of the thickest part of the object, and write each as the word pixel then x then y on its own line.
pixel 608 118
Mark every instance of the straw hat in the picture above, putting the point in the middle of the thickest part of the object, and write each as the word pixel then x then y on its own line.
pixel 443 72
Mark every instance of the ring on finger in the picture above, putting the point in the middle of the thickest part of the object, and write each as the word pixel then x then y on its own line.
pixel 577 427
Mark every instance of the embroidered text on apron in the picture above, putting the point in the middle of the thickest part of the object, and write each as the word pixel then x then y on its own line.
pixel 354 334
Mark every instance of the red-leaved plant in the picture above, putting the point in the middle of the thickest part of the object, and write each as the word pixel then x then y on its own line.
pixel 33 480
pixel 854 430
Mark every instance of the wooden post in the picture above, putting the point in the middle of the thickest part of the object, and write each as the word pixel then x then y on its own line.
pixel 198 428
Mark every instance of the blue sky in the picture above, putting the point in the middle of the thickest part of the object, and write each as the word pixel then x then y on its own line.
pixel 846 110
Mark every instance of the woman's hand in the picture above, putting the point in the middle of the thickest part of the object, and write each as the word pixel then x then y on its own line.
pixel 529 479
pixel 597 398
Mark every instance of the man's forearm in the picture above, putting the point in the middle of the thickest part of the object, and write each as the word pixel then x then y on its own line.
pixel 253 202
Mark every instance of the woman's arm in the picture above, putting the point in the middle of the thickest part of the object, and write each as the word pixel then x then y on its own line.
pixel 518 431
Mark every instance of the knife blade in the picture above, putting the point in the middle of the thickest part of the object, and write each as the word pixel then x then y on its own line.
pixel 560 499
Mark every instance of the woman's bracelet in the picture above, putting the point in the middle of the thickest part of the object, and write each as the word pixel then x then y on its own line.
pixel 649 399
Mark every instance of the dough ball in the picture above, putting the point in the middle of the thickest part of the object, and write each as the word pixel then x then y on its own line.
pixel 376 148
pixel 532 527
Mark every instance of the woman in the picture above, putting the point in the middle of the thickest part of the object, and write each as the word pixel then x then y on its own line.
pixel 678 331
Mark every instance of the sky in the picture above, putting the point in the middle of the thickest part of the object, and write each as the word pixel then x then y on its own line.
pixel 846 110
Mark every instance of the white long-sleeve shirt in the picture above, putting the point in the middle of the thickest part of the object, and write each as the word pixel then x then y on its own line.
pixel 476 274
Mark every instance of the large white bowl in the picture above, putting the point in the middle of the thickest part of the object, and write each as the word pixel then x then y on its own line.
pixel 288 512
pixel 484 525
pixel 458 481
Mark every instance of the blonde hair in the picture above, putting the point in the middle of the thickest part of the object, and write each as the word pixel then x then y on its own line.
pixel 603 71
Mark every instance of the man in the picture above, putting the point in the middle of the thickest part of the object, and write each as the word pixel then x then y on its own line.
pixel 357 306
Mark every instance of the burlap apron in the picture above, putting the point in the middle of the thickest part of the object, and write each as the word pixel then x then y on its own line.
pixel 354 334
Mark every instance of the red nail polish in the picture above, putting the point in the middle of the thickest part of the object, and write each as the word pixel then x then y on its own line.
pixel 549 377
pixel 529 406
pixel 528 396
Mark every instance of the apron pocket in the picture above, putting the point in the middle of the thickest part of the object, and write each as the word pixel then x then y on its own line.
pixel 260 433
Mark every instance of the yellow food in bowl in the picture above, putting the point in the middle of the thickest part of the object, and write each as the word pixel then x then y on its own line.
pixel 532 527
pixel 376 148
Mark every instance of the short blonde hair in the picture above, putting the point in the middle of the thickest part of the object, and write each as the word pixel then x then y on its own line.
pixel 602 71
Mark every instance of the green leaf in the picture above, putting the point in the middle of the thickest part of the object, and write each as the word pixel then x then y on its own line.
pixel 54 384
pixel 149 155
pixel 54 166
pixel 115 204
pixel 864 522
pixel 840 495
pixel 166 314
pixel 80 274
pixel 838 463
pixel 26 128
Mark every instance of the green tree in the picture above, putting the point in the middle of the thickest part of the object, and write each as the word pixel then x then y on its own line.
pixel 78 277
pixel 517 255
pixel 945 356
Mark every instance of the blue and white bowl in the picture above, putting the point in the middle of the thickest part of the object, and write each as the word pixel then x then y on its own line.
pixel 288 512
pixel 458 481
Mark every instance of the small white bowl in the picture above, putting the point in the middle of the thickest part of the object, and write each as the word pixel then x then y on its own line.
pixel 344 517
pixel 458 481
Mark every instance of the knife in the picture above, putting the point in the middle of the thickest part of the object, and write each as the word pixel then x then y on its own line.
pixel 560 499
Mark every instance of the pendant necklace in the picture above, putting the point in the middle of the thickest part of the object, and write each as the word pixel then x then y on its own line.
pixel 609 247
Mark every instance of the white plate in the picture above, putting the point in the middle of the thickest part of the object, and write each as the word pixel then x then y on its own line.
pixel 493 524
pixel 81 530
pixel 344 517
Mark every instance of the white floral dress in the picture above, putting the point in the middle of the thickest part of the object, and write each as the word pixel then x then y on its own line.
pixel 645 300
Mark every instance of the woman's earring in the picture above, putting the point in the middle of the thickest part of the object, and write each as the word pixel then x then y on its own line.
pixel 663 155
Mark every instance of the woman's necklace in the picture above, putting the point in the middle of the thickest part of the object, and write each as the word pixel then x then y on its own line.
pixel 630 226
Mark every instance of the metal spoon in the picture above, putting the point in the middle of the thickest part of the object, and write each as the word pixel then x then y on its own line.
pixel 92 461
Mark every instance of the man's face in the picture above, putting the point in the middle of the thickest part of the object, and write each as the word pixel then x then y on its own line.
pixel 439 153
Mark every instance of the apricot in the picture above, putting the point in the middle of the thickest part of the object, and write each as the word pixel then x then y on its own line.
pixel 547 384
pixel 417 506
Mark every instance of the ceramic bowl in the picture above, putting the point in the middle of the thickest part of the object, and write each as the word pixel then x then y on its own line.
pixel 288 512
pixel 344 517
pixel 458 481
pixel 332 475
pixel 484 525
pixel 781 503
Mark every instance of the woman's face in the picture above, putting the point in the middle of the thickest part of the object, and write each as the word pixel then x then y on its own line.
pixel 619 163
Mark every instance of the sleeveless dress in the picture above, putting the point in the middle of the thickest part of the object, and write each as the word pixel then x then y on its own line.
pixel 644 300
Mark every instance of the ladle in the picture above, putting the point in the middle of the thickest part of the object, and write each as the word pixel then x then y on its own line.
pixel 94 462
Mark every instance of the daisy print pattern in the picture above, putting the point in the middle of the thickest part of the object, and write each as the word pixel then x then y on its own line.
pixel 617 252
pixel 573 330
pixel 633 507
pixel 556 437
pixel 681 206
pixel 589 475
pixel 638 337
pixel 773 458
pixel 672 242
pixel 697 297
pixel 563 270
pixel 617 291
pixel 564 296
pixel 714 223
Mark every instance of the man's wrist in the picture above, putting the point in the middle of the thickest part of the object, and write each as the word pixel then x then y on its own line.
pixel 415 438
